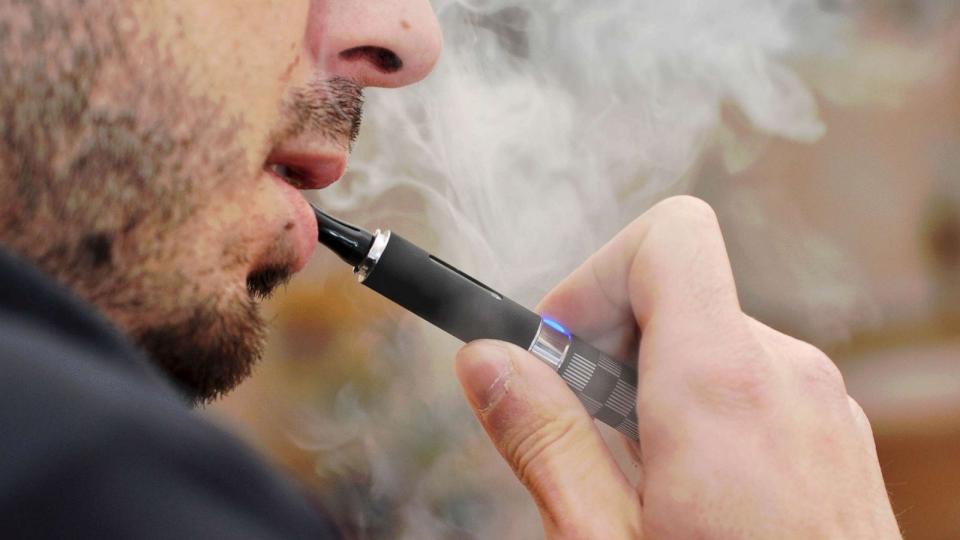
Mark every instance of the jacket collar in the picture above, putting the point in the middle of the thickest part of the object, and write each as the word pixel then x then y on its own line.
pixel 27 294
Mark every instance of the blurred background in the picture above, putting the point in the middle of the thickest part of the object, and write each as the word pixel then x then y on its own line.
pixel 826 135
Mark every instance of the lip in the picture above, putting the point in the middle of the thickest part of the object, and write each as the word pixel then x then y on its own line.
pixel 315 165
pixel 301 224
pixel 314 169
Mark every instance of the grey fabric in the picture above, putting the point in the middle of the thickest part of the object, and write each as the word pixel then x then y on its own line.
pixel 96 443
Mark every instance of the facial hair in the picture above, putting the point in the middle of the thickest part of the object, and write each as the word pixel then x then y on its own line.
pixel 92 193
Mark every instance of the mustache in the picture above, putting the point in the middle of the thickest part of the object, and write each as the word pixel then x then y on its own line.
pixel 329 108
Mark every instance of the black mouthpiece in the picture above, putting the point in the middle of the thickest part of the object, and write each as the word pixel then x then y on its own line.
pixel 349 243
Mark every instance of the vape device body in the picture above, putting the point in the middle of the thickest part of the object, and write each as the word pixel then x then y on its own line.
pixel 467 309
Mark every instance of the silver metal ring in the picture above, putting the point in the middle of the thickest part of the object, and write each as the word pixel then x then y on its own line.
pixel 550 345
pixel 380 241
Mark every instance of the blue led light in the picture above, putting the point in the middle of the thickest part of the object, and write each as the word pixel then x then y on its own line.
pixel 556 326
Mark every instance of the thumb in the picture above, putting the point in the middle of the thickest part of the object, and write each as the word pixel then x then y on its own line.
pixel 550 442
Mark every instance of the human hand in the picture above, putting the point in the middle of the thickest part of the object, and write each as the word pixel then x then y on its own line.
pixel 744 432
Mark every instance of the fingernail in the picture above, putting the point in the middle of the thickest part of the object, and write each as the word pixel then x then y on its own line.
pixel 484 368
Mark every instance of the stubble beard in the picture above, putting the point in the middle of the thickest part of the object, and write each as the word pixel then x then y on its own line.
pixel 95 195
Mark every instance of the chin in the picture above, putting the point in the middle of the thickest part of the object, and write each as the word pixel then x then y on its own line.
pixel 211 348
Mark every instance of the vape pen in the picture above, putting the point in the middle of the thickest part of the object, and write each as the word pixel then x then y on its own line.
pixel 467 309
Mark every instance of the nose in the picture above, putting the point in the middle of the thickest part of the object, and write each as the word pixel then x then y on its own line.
pixel 386 43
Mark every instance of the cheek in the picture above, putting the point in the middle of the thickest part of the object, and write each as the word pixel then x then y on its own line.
pixel 235 212
pixel 238 220
pixel 265 48
pixel 240 55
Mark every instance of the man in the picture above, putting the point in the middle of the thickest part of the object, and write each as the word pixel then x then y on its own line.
pixel 150 155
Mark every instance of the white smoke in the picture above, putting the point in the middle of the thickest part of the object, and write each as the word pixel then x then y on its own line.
pixel 547 125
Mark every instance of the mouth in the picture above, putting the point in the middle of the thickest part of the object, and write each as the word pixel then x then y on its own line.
pixel 292 170
pixel 306 170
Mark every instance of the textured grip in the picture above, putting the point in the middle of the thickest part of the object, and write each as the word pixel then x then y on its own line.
pixel 607 388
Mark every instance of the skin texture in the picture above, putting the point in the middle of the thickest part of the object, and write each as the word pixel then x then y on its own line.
pixel 744 432
pixel 133 142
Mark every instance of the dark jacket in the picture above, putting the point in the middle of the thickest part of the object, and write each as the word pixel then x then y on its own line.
pixel 95 443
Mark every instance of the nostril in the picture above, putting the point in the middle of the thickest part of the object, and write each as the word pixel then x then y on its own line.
pixel 384 60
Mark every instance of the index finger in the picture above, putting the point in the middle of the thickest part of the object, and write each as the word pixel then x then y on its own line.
pixel 670 262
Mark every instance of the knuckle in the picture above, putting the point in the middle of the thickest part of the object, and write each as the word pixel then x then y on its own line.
pixel 687 209
pixel 857 411
pixel 740 386
pixel 656 232
pixel 860 418
pixel 741 379
pixel 818 372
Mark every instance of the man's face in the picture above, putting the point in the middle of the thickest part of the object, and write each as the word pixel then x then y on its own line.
pixel 140 144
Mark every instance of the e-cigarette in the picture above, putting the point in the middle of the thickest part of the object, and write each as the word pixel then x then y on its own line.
pixel 468 310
